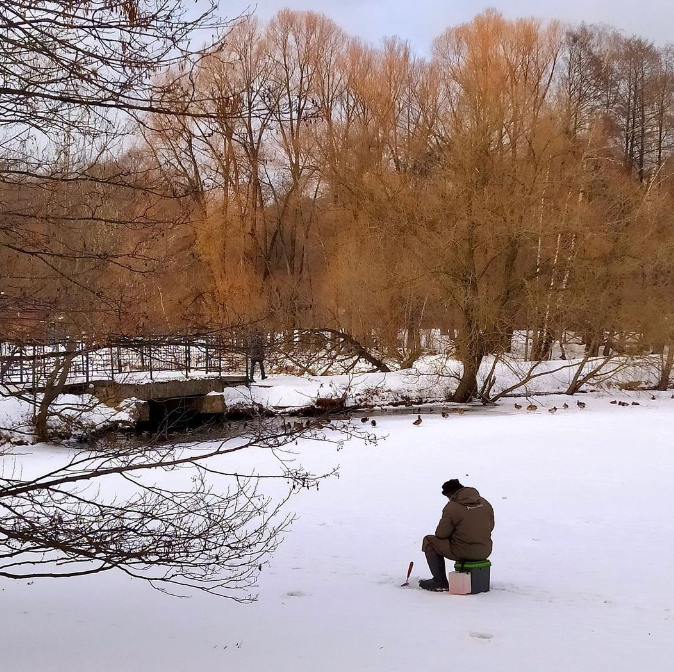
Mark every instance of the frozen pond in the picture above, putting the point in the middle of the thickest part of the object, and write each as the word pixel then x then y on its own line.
pixel 581 577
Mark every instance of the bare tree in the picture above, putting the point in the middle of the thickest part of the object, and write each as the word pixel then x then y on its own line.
pixel 75 200
pixel 176 530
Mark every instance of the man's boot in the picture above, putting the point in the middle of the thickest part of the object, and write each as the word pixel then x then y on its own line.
pixel 436 563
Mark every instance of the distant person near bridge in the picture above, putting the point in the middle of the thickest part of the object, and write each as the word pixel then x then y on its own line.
pixel 256 353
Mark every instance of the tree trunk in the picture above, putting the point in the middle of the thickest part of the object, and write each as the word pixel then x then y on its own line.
pixel 592 346
pixel 666 372
pixel 53 388
pixel 412 347
pixel 543 346
pixel 505 340
pixel 467 388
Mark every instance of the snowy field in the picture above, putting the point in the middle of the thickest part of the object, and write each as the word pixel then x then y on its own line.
pixel 581 579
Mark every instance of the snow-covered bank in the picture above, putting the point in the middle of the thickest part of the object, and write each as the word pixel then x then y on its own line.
pixel 584 554
pixel 432 380
pixel 72 415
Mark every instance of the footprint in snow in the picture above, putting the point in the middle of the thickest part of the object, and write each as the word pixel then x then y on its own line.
pixel 295 593
pixel 481 635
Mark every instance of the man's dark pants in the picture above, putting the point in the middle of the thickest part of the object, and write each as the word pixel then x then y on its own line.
pixel 436 550
pixel 252 368
pixel 437 546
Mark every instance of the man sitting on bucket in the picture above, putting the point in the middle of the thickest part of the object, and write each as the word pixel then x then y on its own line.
pixel 463 533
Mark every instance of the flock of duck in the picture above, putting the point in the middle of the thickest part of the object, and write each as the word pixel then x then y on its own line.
pixel 530 407
pixel 518 407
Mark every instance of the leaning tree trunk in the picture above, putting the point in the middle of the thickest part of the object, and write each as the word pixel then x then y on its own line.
pixel 581 377
pixel 358 349
pixel 53 387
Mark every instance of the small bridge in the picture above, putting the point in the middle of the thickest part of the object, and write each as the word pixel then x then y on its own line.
pixel 149 369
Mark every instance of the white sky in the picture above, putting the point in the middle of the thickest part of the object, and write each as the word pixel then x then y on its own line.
pixel 419 21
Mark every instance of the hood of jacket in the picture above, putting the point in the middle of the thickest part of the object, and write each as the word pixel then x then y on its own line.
pixel 466 497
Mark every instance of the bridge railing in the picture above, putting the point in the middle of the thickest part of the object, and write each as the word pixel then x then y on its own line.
pixel 30 365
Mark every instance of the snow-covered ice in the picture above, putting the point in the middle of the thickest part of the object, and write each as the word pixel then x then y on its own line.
pixel 581 579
